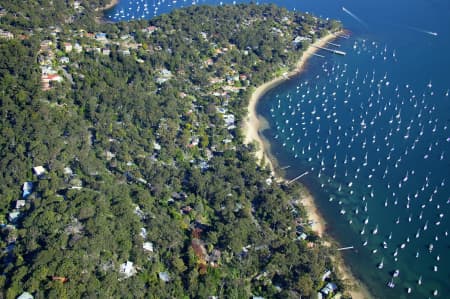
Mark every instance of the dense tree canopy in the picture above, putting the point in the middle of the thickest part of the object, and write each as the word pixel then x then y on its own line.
pixel 136 152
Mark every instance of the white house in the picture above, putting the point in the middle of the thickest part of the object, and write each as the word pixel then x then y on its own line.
pixel 329 288
pixel 326 275
pixel 64 60
pixel 27 188
pixel 127 269
pixel 148 246
pixel 143 233
pixel 13 216
pixel 78 48
pixel 25 295
pixel 39 170
pixel 68 47
pixel 164 276
pixel 20 203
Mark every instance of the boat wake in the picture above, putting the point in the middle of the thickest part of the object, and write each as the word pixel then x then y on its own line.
pixel 354 16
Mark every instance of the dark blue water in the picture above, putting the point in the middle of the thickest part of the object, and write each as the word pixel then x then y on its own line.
pixel 371 128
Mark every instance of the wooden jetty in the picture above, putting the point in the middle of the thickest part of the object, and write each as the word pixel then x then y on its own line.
pixel 333 44
pixel 345 248
pixel 332 50
pixel 298 177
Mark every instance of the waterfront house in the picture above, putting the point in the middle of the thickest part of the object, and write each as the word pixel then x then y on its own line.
pixel 329 288
pixel 299 39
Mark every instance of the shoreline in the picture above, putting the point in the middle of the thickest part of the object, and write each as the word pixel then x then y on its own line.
pixel 252 125
pixel 111 4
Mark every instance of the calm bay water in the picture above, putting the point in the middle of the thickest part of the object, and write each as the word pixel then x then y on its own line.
pixel 371 128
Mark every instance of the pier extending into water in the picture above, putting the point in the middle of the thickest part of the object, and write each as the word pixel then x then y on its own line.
pixel 345 248
pixel 298 177
pixel 334 44
pixel 332 50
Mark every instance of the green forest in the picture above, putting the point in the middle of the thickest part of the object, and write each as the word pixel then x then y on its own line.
pixel 123 172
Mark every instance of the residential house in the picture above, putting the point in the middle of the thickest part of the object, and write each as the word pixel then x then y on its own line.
pixel 299 39
pixel 12 216
pixel 156 146
pixel 150 29
pixel 302 236
pixel 39 170
pixel 100 36
pixel 242 77
pixel 20 203
pixel 143 232
pixel 27 188
pixel 47 70
pixel 46 79
pixel 139 212
pixel 164 276
pixel 329 288
pixel 229 121
pixel 76 4
pixel 127 269
pixel 45 45
pixel 25 295
pixel 148 246
pixel 326 275
pixel 90 35
pixel 78 48
pixel 68 171
pixel 67 47
pixel 6 34
pixel 64 60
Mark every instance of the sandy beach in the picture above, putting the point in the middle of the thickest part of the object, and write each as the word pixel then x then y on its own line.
pixel 252 124
pixel 111 4
pixel 319 223
pixel 251 129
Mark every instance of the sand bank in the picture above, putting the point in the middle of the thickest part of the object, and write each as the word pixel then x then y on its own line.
pixel 251 129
